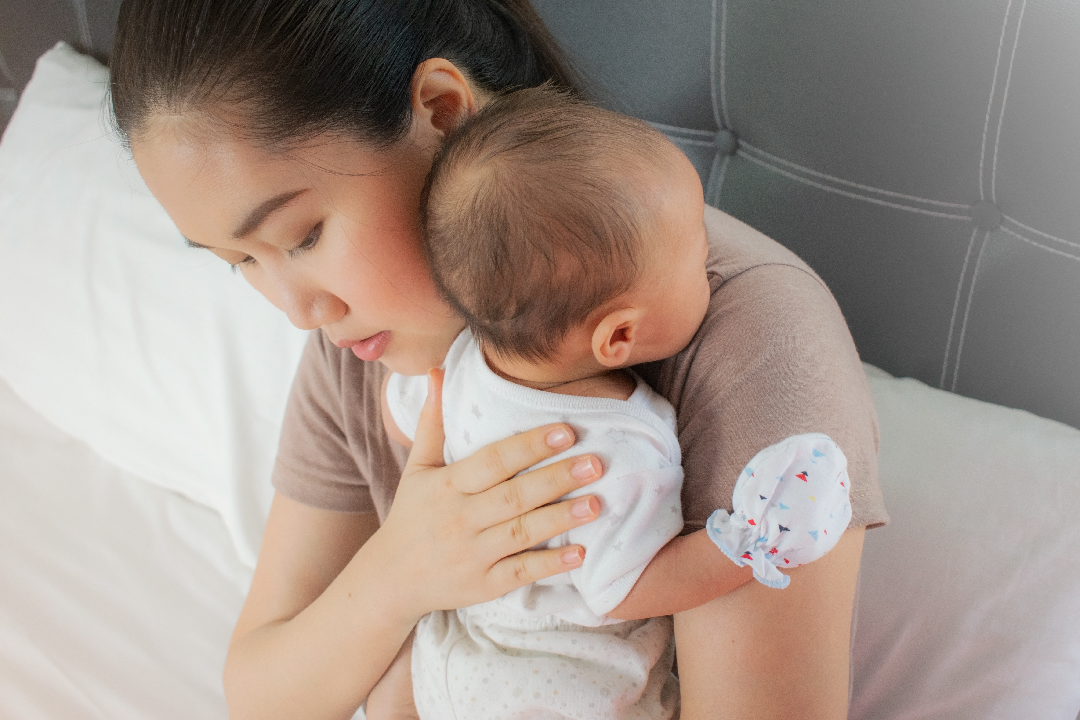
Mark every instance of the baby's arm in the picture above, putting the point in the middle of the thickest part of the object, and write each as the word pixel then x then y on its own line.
pixel 392 696
pixel 786 502
pixel 687 572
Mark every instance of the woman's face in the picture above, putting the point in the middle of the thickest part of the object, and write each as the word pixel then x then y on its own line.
pixel 328 232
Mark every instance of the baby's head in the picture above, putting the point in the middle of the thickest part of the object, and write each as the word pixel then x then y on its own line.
pixel 564 233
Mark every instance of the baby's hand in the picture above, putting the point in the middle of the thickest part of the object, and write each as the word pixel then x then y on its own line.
pixel 790 506
pixel 392 696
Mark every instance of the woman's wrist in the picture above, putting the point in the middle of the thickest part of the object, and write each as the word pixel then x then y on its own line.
pixel 378 577
pixel 323 661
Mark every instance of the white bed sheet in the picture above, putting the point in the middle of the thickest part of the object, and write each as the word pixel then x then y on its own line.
pixel 117 597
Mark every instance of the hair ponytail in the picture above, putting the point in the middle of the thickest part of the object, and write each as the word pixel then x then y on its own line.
pixel 297 68
pixel 545 58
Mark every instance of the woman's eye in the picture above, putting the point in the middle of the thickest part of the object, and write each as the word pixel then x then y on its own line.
pixel 309 241
pixel 248 260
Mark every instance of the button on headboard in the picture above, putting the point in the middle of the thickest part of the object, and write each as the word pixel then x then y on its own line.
pixel 923 157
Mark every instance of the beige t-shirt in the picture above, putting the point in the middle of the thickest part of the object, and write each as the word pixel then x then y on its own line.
pixel 773 358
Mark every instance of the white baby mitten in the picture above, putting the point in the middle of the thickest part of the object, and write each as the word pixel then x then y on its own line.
pixel 790 506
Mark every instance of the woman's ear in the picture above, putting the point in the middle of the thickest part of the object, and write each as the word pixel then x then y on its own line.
pixel 442 98
pixel 614 337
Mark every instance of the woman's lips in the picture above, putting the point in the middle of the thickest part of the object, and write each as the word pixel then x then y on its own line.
pixel 371 348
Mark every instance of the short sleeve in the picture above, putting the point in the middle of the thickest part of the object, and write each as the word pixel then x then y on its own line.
pixel 314 464
pixel 641 514
pixel 773 358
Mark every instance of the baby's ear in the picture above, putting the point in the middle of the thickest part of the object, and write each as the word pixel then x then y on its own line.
pixel 614 337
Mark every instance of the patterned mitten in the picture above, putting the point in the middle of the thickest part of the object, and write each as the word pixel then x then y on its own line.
pixel 790 506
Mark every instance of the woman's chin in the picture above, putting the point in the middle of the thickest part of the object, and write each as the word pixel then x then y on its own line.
pixel 407 364
pixel 415 354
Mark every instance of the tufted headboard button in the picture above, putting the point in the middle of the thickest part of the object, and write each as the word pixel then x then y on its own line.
pixel 726 142
pixel 986 215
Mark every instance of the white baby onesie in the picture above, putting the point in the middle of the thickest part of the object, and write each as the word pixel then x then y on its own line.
pixel 547 650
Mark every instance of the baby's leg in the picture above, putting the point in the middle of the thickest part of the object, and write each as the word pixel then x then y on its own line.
pixel 392 696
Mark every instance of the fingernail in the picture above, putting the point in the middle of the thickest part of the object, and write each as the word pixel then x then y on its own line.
pixel 582 508
pixel 572 556
pixel 558 438
pixel 583 469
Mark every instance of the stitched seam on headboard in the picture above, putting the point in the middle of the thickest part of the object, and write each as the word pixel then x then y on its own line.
pixel 1004 98
pixel 956 308
pixel 856 196
pixel 967 311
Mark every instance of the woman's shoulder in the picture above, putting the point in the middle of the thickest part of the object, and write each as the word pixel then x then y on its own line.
pixel 735 247
pixel 766 303
pixel 773 358
pixel 773 333
pixel 332 452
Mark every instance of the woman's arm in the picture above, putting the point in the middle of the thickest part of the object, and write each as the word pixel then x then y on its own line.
pixel 764 653
pixel 333 597
pixel 293 632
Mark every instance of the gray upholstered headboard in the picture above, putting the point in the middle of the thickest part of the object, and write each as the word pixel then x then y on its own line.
pixel 30 27
pixel 923 157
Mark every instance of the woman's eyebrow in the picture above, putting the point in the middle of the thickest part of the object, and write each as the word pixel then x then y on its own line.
pixel 256 217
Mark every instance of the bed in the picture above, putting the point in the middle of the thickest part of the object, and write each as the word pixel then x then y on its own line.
pixel 142 384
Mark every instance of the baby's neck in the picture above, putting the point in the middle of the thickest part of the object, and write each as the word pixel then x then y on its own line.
pixel 584 382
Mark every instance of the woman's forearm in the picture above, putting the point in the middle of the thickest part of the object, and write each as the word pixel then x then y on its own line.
pixel 322 662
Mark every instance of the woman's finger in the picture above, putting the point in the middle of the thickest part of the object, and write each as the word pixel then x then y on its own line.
pixel 427 449
pixel 524 531
pixel 526 492
pixel 490 465
pixel 528 567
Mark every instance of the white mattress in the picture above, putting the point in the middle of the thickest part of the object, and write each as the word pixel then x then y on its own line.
pixel 117 597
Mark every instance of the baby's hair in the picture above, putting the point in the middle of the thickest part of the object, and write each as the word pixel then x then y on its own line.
pixel 533 216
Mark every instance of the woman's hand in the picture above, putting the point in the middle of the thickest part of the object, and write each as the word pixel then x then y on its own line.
pixel 457 535
pixel 335 595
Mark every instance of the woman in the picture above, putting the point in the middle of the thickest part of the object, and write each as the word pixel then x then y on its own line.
pixel 292 138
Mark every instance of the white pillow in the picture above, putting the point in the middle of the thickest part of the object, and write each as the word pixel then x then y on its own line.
pixel 154 354
pixel 969 600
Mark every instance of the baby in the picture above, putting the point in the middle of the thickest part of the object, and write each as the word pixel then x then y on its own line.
pixel 572 241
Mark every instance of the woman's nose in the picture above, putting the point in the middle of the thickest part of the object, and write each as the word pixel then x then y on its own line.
pixel 309 308
pixel 307 305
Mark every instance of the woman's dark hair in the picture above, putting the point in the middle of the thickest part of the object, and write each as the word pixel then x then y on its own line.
pixel 294 69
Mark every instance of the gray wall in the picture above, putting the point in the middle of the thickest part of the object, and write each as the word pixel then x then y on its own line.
pixel 30 27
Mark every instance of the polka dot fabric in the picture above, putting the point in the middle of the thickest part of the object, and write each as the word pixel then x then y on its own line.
pixel 477 663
